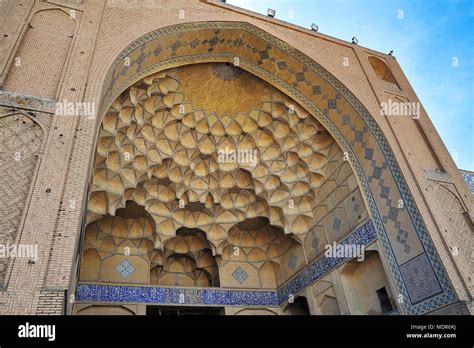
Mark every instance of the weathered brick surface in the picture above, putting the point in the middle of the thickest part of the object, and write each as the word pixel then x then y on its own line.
pixel 50 302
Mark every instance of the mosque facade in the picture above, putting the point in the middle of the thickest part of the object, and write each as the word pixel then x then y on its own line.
pixel 191 157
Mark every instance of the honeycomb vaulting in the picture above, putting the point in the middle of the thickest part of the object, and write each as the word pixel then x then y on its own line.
pixel 206 147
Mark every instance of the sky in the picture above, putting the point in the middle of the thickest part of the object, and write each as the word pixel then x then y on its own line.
pixel 433 41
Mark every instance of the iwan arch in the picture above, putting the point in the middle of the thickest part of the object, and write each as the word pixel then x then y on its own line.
pixel 134 213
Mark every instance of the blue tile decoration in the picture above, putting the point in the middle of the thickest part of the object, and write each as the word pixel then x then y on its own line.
pixel 292 261
pixel 384 193
pixel 369 153
pixel 418 276
pixel 402 237
pixel 469 179
pixel 175 296
pixel 240 275
pixel 125 268
pixel 147 294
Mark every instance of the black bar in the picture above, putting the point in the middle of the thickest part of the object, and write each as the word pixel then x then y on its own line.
pixel 290 331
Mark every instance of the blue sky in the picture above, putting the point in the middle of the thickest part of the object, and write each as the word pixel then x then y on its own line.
pixel 430 36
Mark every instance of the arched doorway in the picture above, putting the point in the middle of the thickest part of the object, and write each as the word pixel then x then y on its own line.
pixel 298 307
pixel 315 96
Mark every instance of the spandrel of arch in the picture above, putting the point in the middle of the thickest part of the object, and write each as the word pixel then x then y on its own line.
pixel 41 55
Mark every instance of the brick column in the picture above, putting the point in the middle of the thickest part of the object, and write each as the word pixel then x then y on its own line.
pixel 39 288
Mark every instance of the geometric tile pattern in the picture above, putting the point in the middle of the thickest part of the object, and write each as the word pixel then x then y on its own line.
pixel 327 99
pixel 469 179
pixel 418 275
pixel 402 238
pixel 179 296
pixel 292 261
pixel 125 268
pixel 240 275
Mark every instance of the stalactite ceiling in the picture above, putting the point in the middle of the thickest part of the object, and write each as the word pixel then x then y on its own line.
pixel 159 145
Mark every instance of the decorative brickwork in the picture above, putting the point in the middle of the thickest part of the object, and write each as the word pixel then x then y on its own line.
pixel 20 142
pixel 42 54
pixel 51 302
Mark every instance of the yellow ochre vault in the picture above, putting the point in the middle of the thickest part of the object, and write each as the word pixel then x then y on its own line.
pixel 191 157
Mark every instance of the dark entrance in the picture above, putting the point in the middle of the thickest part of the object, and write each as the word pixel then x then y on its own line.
pixel 179 311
